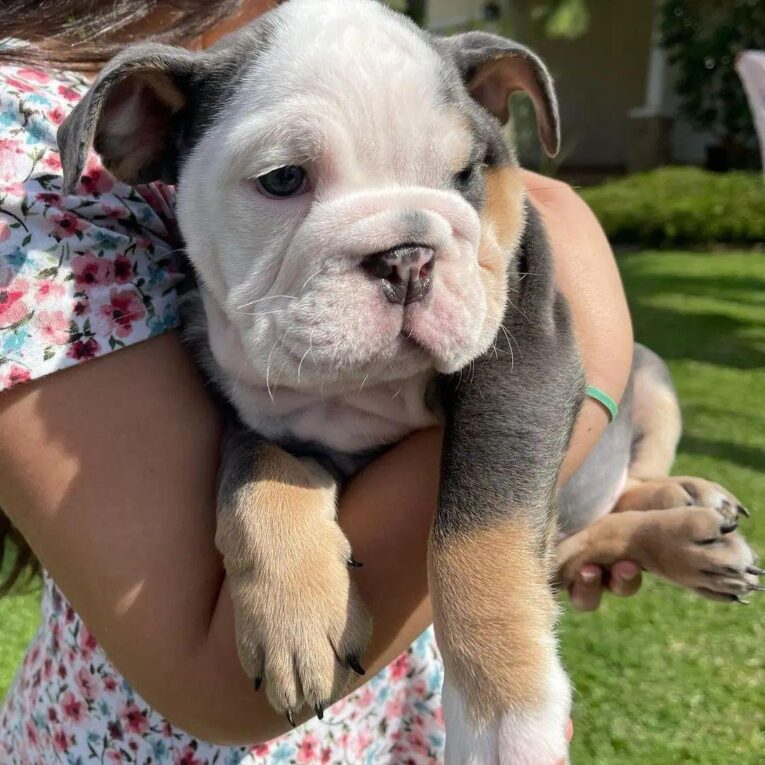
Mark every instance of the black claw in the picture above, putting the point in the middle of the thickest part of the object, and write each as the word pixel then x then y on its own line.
pixel 291 717
pixel 754 571
pixel 743 511
pixel 257 682
pixel 353 663
pixel 729 528
pixel 353 562
pixel 738 599
pixel 319 709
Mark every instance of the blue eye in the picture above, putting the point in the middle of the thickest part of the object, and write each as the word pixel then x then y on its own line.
pixel 287 181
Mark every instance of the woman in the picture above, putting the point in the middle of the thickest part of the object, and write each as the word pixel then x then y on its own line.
pixel 108 469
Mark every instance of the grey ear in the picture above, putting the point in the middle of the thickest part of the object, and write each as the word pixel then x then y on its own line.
pixel 493 68
pixel 130 115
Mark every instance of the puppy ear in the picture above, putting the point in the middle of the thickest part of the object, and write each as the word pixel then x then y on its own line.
pixel 130 115
pixel 493 68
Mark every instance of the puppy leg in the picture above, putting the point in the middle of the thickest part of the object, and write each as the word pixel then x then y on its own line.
pixel 300 623
pixel 506 696
pixel 679 491
pixel 695 547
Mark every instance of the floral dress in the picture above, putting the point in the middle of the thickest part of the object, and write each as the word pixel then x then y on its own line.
pixel 80 276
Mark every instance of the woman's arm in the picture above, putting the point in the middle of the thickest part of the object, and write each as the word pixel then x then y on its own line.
pixel 109 470
pixel 587 275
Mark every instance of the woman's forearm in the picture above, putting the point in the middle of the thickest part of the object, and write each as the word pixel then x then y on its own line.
pixel 587 275
pixel 109 470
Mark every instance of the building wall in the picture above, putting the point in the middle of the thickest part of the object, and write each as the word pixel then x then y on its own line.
pixel 600 76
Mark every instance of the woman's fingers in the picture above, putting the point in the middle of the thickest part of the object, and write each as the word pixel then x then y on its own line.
pixel 587 588
pixel 625 578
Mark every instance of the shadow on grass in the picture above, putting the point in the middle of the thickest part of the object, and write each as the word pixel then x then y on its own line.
pixel 716 337
pixel 744 456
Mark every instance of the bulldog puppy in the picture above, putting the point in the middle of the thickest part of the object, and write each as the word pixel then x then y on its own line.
pixel 367 265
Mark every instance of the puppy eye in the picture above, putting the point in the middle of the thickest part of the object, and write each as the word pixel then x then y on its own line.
pixel 287 181
pixel 463 178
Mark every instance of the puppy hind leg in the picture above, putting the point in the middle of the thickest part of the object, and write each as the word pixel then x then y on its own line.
pixel 656 416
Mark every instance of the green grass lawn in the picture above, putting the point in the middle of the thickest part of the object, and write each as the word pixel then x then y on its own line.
pixel 664 677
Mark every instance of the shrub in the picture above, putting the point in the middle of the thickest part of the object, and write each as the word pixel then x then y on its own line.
pixel 681 205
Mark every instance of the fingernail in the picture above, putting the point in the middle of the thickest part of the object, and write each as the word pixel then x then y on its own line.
pixel 628 573
pixel 588 576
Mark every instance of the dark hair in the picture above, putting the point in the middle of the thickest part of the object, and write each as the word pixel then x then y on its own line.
pixel 84 34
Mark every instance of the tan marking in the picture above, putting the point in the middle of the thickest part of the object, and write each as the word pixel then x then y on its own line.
pixel 664 542
pixel 294 602
pixel 657 414
pixel 494 616
pixel 502 221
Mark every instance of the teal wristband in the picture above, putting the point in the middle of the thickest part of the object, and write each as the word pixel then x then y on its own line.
pixel 604 400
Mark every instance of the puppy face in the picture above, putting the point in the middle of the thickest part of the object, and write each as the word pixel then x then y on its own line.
pixel 347 200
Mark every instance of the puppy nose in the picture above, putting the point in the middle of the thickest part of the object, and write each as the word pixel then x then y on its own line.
pixel 405 272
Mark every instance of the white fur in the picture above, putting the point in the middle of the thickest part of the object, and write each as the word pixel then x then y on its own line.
pixel 519 736
pixel 309 341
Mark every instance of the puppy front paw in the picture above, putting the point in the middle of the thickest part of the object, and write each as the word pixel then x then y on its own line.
pixel 533 734
pixel 301 627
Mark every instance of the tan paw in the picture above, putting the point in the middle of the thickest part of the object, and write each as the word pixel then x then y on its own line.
pixel 679 491
pixel 699 548
pixel 301 627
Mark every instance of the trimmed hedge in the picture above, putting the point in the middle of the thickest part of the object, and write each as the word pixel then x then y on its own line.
pixel 681 206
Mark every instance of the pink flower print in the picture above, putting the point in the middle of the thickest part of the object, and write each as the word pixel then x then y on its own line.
pixel 66 224
pixel 90 270
pixel 81 307
pixel 123 269
pixel 36 75
pixel 418 743
pixel 61 741
pixel 394 709
pixel 15 164
pixel 326 756
pixel 52 715
pixel 31 733
pixel 135 719
pixel 309 748
pixel 187 757
pixel 5 231
pixel 47 290
pixel 95 180
pixel 54 327
pixel 361 744
pixel 115 757
pixel 87 643
pixel 12 305
pixel 261 749
pixel 72 707
pixel 365 698
pixel 87 684
pixel 70 94
pixel 110 683
pixel 124 308
pixel 82 350
pixel 13 375
pixel 51 161
pixel 400 667
pixel 57 115
pixel 22 87
pixel 49 198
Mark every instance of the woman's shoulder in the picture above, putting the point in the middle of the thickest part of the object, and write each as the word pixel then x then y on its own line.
pixel 81 274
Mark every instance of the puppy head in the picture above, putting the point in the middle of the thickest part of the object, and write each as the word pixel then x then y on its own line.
pixel 344 188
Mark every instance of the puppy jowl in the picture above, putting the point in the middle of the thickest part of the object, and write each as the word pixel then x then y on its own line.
pixel 354 219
